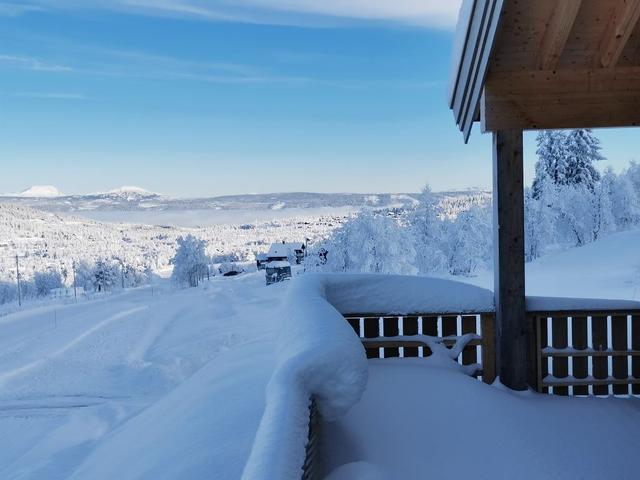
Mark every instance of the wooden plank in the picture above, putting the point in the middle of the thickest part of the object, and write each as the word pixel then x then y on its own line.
pixel 635 344
pixel 544 342
pixel 469 354
pixel 561 99
pixel 602 383
pixel 355 324
pixel 371 330
pixel 621 25
pixel 390 328
pixel 600 364
pixel 410 327
pixel 508 200
pixel 619 342
pixel 488 326
pixel 579 364
pixel 590 353
pixel 556 33
pixel 560 339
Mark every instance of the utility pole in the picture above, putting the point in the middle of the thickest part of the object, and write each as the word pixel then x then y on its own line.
pixel 18 279
pixel 75 295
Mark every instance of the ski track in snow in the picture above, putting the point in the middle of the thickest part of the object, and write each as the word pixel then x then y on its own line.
pixel 72 375
pixel 4 376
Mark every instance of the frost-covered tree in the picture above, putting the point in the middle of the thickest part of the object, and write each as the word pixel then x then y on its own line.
pixel 625 199
pixel 190 261
pixel 372 242
pixel 540 218
pixel 467 241
pixel 105 275
pixel 552 159
pixel 427 230
pixel 46 281
pixel 583 150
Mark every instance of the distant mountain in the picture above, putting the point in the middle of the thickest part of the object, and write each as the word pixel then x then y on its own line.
pixel 136 198
pixel 40 191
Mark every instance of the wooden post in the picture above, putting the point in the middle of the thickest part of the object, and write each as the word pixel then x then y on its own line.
pixel 513 331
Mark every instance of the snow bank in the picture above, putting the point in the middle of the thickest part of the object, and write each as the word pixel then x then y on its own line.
pixel 558 304
pixel 318 356
pixel 370 293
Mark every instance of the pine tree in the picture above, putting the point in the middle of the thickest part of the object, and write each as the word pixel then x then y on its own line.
pixel 552 159
pixel 583 149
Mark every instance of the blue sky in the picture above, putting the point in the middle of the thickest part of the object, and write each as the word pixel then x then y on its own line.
pixel 196 97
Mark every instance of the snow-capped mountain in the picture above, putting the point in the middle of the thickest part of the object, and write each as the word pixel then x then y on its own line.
pixel 39 191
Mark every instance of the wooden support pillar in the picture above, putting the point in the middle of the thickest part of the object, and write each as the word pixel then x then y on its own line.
pixel 512 330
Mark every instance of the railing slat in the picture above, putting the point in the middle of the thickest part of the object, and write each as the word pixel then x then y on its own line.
pixel 600 364
pixel 619 342
pixel 560 339
pixel 469 354
pixel 409 328
pixel 635 344
pixel 579 342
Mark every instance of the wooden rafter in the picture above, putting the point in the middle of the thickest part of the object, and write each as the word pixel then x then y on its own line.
pixel 623 21
pixel 556 33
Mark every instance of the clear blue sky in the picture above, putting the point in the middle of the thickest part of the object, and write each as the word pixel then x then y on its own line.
pixel 196 97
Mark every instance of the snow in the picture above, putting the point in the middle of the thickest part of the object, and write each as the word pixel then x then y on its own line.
pixel 41 191
pixel 357 293
pixel 129 189
pixel 144 384
pixel 418 419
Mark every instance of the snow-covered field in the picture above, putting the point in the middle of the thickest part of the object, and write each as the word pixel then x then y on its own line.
pixel 136 385
pixel 166 383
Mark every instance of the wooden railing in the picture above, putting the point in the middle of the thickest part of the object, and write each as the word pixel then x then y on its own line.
pixel 588 353
pixel 311 470
pixel 576 352
pixel 385 335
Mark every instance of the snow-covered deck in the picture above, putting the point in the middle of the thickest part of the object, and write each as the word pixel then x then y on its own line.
pixel 384 409
pixel 422 419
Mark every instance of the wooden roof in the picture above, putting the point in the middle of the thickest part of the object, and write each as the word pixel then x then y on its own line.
pixel 549 64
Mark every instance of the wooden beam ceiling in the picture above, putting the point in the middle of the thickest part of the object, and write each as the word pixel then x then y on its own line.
pixel 621 25
pixel 582 98
pixel 564 64
pixel 556 33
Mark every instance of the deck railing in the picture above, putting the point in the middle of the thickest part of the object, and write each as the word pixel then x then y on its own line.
pixel 588 352
pixel 385 336
pixel 583 352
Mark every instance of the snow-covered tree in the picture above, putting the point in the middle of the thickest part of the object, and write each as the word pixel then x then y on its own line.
pixel 371 243
pixel 190 263
pixel 105 275
pixel 467 241
pixel 540 218
pixel 625 199
pixel 583 150
pixel 47 281
pixel 552 159
pixel 427 229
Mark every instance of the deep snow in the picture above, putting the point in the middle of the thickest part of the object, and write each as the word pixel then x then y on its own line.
pixel 135 385
pixel 173 385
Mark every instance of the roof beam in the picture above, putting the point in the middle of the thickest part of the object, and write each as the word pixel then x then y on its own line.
pixel 556 33
pixel 561 99
pixel 619 29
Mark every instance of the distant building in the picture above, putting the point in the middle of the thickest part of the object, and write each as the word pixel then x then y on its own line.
pixel 293 252
pixel 261 261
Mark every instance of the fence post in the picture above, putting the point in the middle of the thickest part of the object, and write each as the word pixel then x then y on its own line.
pixel 488 328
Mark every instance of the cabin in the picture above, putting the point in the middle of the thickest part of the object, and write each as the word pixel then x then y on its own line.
pixel 261 261
pixel 518 66
pixel 294 252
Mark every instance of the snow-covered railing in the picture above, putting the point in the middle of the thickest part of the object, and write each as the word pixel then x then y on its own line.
pixel 319 360
pixel 586 346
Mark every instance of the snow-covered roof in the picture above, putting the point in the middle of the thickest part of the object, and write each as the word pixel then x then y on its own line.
pixel 278 264
pixel 281 250
pixel 261 256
